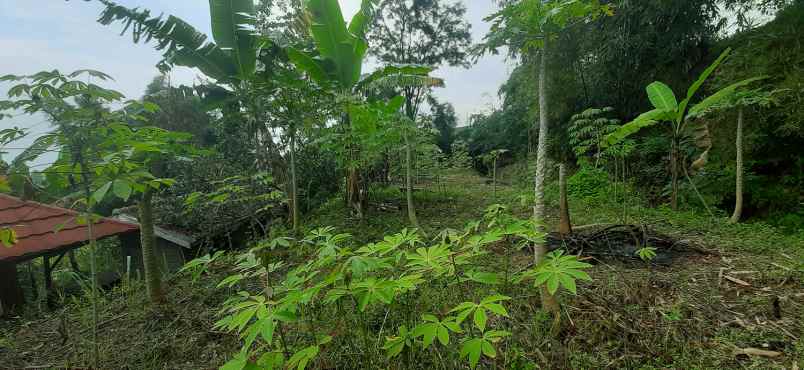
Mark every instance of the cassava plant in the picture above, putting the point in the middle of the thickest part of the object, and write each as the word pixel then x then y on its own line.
pixel 325 304
pixel 491 159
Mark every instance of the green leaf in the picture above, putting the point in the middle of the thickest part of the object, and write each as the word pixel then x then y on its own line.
pixel 471 350
pixel 300 359
pixel 99 194
pixel 334 42
pixel 267 329
pixel 237 363
pixel 552 284
pixel 719 97
pixel 122 189
pixel 480 319
pixel 662 97
pixel 443 335
pixel 494 298
pixel 497 309
pixel 309 65
pixel 646 119
pixel 8 237
pixel 271 361
pixel 488 349
pixel 701 79
pixel 427 331
pixel 568 282
pixel 231 23
pixel 182 43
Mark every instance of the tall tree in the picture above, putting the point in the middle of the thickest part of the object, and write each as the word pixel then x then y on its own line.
pixel 423 32
pixel 180 110
pixel 528 27
pixel 445 121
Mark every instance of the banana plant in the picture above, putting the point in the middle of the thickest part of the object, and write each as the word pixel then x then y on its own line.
pixel 230 59
pixel 335 63
pixel 679 115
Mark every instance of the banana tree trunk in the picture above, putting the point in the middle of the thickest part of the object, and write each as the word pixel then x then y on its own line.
pixel 148 243
pixel 549 302
pixel 564 226
pixel 354 195
pixel 674 151
pixel 409 183
pixel 738 202
pixel 294 198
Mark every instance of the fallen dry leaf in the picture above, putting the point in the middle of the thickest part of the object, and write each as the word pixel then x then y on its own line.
pixel 757 352
pixel 736 280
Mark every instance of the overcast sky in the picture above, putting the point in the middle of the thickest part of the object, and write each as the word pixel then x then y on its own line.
pixel 40 35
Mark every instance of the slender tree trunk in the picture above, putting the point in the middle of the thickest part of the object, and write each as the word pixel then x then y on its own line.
pixel 409 183
pixel 353 196
pixel 92 265
pixel 564 226
pixel 494 179
pixel 549 302
pixel 294 198
pixel 148 244
pixel 674 154
pixel 738 194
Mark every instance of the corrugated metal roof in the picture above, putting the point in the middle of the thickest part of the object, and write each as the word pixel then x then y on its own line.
pixel 42 228
pixel 173 236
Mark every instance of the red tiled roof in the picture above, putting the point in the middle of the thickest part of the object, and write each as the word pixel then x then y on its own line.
pixel 42 228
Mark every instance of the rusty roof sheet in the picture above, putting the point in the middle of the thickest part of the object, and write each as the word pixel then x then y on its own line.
pixel 42 228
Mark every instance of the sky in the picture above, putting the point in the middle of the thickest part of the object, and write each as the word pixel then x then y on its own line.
pixel 38 35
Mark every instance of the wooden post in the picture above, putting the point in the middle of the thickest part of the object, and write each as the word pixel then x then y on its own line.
pixel 47 270
pixel 11 296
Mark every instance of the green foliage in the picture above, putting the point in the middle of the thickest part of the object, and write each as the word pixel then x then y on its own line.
pixel 646 254
pixel 586 132
pixel 459 155
pixel 230 58
pixel 526 25
pixel 356 281
pixel 558 270
pixel 588 182
pixel 480 311
pixel 473 348
pixel 8 237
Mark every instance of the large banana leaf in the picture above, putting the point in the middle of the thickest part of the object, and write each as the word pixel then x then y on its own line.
pixel 313 67
pixel 701 132
pixel 344 50
pixel 362 19
pixel 646 119
pixel 719 97
pixel 182 43
pixel 698 83
pixel 662 97
pixel 233 31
